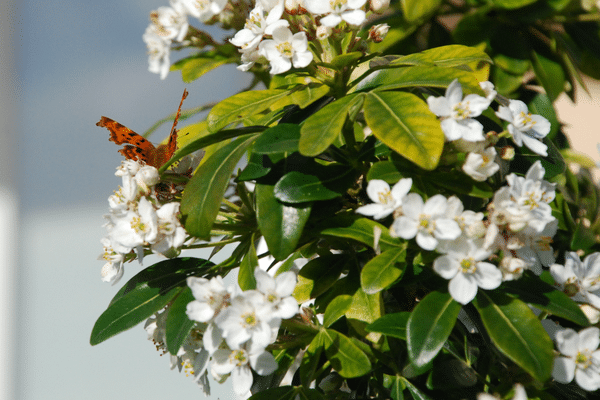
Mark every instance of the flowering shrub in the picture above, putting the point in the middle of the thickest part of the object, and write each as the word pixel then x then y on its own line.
pixel 403 222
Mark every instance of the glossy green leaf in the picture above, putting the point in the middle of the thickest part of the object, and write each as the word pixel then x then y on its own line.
pixel 534 291
pixel 383 270
pixel 459 183
pixel 393 325
pixel 310 360
pixel 336 309
pixel 427 76
pixel 395 385
pixel 365 307
pixel 145 294
pixel 361 230
pixel 406 125
pixel 516 332
pixel 303 95
pixel 511 4
pixel 276 393
pixel 178 325
pixel 414 10
pixel 282 138
pixel 445 56
pixel 325 183
pixel 414 391
pixel 429 326
pixel 345 357
pixel 203 194
pixel 242 105
pixel 323 127
pixel 246 279
pixel 318 275
pixel 386 171
pixel 280 224
pixel 194 68
pixel 550 74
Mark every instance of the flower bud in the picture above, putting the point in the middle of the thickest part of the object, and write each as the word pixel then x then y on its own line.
pixel 379 6
pixel 323 32
pixel 592 314
pixel 147 177
pixel 378 32
pixel 507 153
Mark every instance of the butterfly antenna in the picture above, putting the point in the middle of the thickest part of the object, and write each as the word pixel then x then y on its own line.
pixel 185 94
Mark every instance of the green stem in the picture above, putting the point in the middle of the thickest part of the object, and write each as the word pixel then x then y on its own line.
pixel 213 244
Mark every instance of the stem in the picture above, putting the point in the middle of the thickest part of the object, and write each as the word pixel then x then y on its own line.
pixel 231 205
pixel 213 244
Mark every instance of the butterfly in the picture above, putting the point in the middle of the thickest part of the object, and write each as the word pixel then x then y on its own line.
pixel 137 147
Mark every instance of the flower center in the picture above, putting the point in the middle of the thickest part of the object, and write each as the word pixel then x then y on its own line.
pixel 239 358
pixel 137 225
pixel 461 110
pixel 468 266
pixel 426 224
pixel 385 197
pixel 524 121
pixel 583 360
pixel 249 320
pixel 337 5
pixel 285 49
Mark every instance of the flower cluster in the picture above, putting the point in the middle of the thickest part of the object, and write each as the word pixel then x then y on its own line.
pixel 579 357
pixel 137 219
pixel 170 24
pixel 241 324
pixel 519 226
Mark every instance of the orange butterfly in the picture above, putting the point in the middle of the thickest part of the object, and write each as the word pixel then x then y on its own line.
pixel 138 148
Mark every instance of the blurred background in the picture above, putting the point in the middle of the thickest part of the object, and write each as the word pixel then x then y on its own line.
pixel 62 66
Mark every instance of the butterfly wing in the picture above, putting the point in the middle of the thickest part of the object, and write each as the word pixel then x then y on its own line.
pixel 137 147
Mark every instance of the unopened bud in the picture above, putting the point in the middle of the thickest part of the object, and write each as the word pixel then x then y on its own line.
pixel 323 32
pixel 378 32
pixel 294 7
pixel 379 6
pixel 147 177
pixel 507 153
pixel 592 314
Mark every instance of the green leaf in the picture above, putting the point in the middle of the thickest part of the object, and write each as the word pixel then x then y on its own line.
pixel 194 68
pixel 318 275
pixel 383 270
pixel 414 391
pixel 325 183
pixel 280 224
pixel 276 393
pixel 242 105
pixel 550 74
pixel 303 95
pixel 414 10
pixel 178 324
pixel 429 326
pixel 445 56
pixel 282 138
pixel 395 385
pixel 393 325
pixel 323 127
pixel 361 230
pixel 512 4
pixel 459 183
pixel 202 197
pixel 336 309
pixel 534 291
pixel 145 294
pixel 421 76
pixel 365 307
pixel 406 125
pixel 516 332
pixel 345 357
pixel 246 278
pixel 386 171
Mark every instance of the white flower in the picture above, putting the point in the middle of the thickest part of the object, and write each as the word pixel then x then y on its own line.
pixel 134 228
pixel 580 358
pixel 158 52
pixel 488 89
pixel 525 128
pixel 457 113
pixel 427 221
pixel 146 177
pixel 203 9
pixel 463 265
pixel 385 200
pixel 379 6
pixel 537 249
pixel 248 320
pixel 171 235
pixel 285 50
pixel 210 296
pixel 238 363
pixel 470 222
pixel 278 292
pixel 481 165
pixel 170 23
pixel 337 10
pixel 259 23
pixel 520 394
pixel 579 280
pixel 113 270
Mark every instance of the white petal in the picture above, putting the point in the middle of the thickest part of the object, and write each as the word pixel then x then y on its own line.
pixel 286 282
pixel 505 114
pixel 263 363
pixel 452 129
pixel 401 189
pixel 264 282
pixel 462 289
pixel 426 241
pixel 477 104
pixel 376 189
pixel 413 205
pixel 332 20
pixel 567 342
pixel 199 311
pixel 404 227
pixel 454 92
pixel 446 229
pixel 242 380
pixel 563 370
pixel 435 205
pixel 302 59
pixel 487 276
pixel 439 106
pixel 535 145
pixel 589 338
pixel 354 17
pixel 446 266
pixel 472 130
pixel 375 210
pixel 587 379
